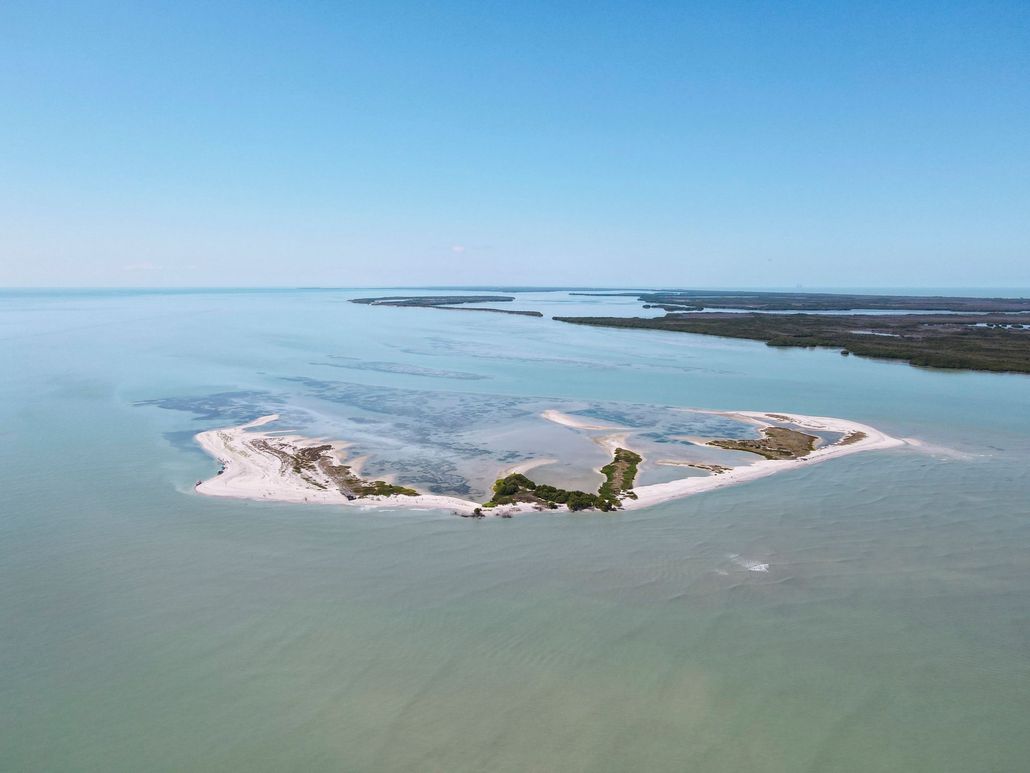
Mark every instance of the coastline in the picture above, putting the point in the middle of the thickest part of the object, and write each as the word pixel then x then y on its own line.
pixel 874 440
pixel 248 472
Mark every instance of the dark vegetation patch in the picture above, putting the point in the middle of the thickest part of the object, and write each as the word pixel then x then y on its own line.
pixel 715 469
pixel 931 340
pixel 432 300
pixel 517 488
pixel 619 476
pixel 496 311
pixel 672 307
pixel 448 302
pixel 851 437
pixel 787 301
pixel 777 443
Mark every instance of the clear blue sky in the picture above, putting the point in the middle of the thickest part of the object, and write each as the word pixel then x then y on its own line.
pixel 722 143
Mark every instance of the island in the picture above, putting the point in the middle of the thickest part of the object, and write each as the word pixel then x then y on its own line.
pixel 804 301
pixel 278 467
pixel 964 341
pixel 447 303
pixel 618 484
pixel 775 443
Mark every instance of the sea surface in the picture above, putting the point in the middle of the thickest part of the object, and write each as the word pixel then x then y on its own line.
pixel 867 614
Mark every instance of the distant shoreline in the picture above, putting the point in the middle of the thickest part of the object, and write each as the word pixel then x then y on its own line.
pixel 446 303
pixel 992 343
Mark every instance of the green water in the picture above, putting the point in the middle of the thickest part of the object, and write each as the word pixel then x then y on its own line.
pixel 148 628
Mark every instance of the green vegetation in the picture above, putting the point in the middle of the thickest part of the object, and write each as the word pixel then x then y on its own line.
pixel 992 342
pixel 379 488
pixel 495 311
pixel 777 443
pixel 432 300
pixel 619 476
pixel 672 307
pixel 851 437
pixel 787 301
pixel 518 488
pixel 353 487
pixel 309 461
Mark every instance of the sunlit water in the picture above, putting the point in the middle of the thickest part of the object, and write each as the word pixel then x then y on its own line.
pixel 867 614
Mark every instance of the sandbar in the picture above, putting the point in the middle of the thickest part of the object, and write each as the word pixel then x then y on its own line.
pixel 872 440
pixel 251 468
pixel 572 421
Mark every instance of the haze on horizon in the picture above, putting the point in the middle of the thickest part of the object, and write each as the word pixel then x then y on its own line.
pixel 602 144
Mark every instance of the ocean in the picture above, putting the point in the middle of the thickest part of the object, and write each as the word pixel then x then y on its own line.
pixel 146 627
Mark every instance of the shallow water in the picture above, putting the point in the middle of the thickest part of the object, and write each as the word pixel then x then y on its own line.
pixel 148 628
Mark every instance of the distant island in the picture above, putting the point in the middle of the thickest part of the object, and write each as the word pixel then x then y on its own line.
pixel 447 302
pixel 989 334
pixel 801 301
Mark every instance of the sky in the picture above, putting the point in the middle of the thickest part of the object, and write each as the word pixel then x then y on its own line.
pixel 685 144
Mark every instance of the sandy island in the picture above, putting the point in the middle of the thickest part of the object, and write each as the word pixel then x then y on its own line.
pixel 250 470
pixel 868 439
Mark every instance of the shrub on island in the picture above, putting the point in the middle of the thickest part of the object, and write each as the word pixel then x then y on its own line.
pixel 619 476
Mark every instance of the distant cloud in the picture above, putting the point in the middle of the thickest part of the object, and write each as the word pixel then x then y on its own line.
pixel 458 248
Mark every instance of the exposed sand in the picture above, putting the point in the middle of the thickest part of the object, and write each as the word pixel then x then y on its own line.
pixel 572 421
pixel 611 442
pixel 874 440
pixel 524 467
pixel 253 473
pixel 250 473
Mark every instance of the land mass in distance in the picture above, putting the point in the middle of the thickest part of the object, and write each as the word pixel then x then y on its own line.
pixel 991 342
pixel 447 302
pixel 800 301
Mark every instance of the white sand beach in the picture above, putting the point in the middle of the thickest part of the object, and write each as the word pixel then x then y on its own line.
pixel 250 473
pixel 873 440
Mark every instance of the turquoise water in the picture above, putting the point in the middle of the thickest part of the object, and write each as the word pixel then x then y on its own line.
pixel 148 628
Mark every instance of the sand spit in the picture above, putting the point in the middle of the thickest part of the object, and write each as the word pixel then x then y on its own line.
pixel 251 471
pixel 572 421
pixel 871 439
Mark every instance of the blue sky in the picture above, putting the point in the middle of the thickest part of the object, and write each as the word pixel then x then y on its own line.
pixel 687 144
